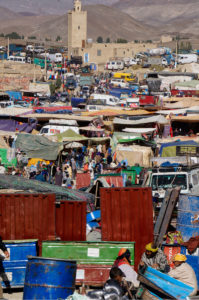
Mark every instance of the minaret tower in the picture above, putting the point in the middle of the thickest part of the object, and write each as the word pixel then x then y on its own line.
pixel 77 27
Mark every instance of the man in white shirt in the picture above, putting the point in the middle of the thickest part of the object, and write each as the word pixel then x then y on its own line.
pixel 184 272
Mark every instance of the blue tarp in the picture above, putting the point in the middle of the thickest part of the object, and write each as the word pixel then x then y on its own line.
pixel 76 101
pixel 15 95
pixel 177 143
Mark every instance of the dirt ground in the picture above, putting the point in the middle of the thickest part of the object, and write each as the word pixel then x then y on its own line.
pixel 17 294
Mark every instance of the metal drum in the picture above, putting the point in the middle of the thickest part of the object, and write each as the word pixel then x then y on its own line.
pixel 188 216
pixel 48 278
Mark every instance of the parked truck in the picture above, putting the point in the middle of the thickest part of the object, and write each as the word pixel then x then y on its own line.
pixel 157 61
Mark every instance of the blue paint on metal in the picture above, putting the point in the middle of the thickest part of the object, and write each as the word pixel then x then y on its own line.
pixel 93 216
pixel 171 286
pixel 192 260
pixel 14 268
pixel 21 250
pixel 48 278
pixel 188 216
pixel 13 274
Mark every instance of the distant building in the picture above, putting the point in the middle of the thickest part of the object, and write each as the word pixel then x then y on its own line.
pixel 166 38
pixel 98 53
pixel 77 27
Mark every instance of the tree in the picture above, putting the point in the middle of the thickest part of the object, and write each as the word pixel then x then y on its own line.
pixel 108 40
pixel 58 38
pixel 121 41
pixel 32 37
pixel 100 40
pixel 13 36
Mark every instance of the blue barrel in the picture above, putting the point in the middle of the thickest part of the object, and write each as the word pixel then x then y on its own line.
pixel 49 278
pixel 188 216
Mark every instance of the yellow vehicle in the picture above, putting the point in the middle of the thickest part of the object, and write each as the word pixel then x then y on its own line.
pixel 125 76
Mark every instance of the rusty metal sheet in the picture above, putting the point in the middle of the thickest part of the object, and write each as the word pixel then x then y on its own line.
pixel 116 181
pixel 27 216
pixel 94 275
pixel 127 215
pixel 83 180
pixel 71 220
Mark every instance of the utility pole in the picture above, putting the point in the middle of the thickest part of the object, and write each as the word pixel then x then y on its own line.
pixel 8 50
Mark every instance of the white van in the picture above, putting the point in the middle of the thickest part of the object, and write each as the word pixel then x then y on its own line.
pixel 59 126
pixel 18 59
pixel 55 57
pixel 30 48
pixel 119 83
pixel 108 99
pixel 115 65
pixel 187 58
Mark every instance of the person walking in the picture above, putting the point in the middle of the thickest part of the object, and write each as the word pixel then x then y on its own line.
pixel 2 273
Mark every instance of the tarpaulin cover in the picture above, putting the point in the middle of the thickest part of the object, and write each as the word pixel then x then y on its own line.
pixel 70 136
pixel 4 159
pixel 14 94
pixel 23 184
pixel 36 146
pixel 169 149
pixel 13 125
pixel 155 119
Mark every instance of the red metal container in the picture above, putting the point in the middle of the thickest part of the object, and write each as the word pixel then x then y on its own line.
pixel 148 100
pixel 27 216
pixel 127 215
pixel 83 180
pixel 71 220
pixel 184 93
pixel 93 275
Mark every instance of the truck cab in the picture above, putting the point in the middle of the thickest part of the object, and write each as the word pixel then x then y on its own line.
pixel 162 179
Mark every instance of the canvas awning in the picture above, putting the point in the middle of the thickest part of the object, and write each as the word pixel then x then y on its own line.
pixel 91 128
pixel 155 119
pixel 70 136
pixel 139 130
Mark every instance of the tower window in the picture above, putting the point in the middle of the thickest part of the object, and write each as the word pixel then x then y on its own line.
pixel 99 52
pixel 78 27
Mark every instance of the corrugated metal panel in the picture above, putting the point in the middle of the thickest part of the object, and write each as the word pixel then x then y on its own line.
pixel 127 215
pixel 71 220
pixel 83 180
pixel 27 216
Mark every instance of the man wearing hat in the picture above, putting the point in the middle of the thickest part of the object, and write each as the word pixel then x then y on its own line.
pixel 154 257
pixel 184 272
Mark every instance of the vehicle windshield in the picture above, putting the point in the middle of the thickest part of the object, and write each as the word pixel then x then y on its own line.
pixel 44 130
pixel 165 181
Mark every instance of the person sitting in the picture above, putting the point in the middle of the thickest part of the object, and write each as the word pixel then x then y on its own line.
pixel 113 288
pixel 123 261
pixel 155 258
pixel 184 272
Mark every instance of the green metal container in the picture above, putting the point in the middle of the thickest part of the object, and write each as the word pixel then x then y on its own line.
pixel 86 252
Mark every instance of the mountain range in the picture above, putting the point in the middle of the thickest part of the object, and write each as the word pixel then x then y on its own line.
pixel 128 19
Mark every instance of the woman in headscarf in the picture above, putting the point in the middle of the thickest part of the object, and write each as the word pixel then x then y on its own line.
pixel 123 261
